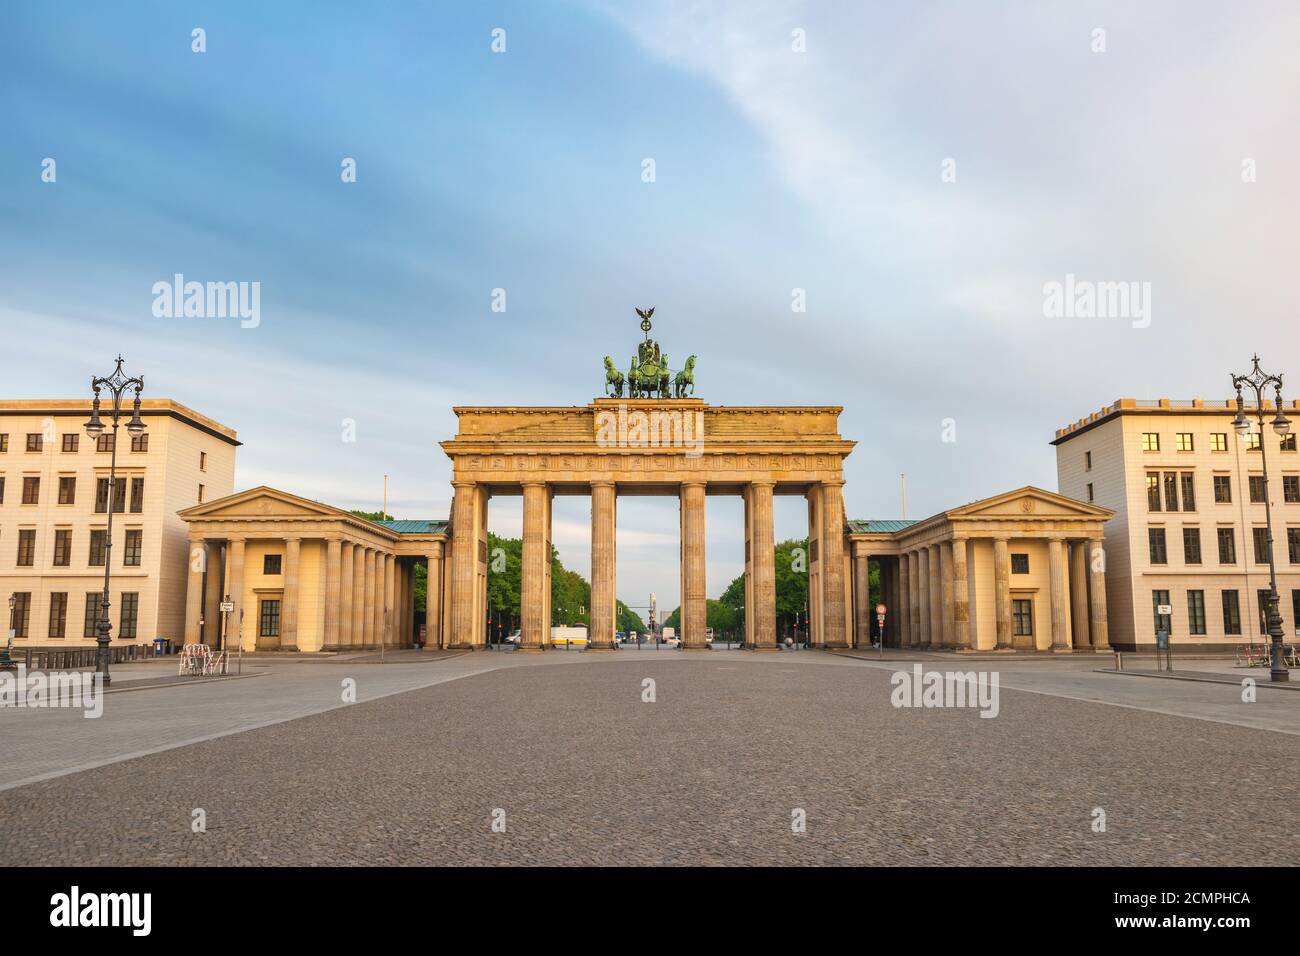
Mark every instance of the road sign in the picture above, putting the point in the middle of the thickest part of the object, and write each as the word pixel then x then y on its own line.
pixel 1164 609
pixel 880 609
pixel 227 606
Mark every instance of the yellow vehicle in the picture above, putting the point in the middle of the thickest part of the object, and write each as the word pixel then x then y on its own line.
pixel 562 636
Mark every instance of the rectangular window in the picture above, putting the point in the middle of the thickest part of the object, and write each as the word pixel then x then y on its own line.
pixel 1022 613
pixel 130 611
pixel 1150 441
pixel 26 547
pixel 1090 493
pixel 1222 490
pixel 4 442
pixel 71 441
pixel 1260 536
pixel 269 618
pixel 1219 441
pixel 131 549
pixel 1158 599
pixel 22 614
pixel 1288 442
pixel 105 442
pixel 203 461
pixel 1231 613
pixel 137 495
pixel 1227 546
pixel 1256 485
pixel 67 490
pixel 1252 441
pixel 1087 461
pixel 1183 441
pixel 2 489
pixel 58 615
pixel 1188 485
pixel 91 620
pixel 62 547
pixel 200 494
pixel 98 540
pixel 1171 491
pixel 1291 489
pixel 1153 491
pixel 31 490
pixel 101 495
pixel 1196 612
pixel 1191 545
pixel 140 442
pixel 35 441
pixel 1293 547
pixel 1156 546
pixel 271 563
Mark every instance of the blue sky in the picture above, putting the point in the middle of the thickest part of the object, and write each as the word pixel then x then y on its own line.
pixel 775 170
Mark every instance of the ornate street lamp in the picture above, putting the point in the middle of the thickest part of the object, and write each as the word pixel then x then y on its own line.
pixel 1258 381
pixel 116 384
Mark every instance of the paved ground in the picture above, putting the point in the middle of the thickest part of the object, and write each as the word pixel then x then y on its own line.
pixel 711 772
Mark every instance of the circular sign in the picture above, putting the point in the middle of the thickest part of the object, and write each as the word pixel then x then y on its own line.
pixel 880 609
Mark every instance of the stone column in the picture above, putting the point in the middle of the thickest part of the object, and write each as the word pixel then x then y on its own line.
pixel 604 608
pixel 235 632
pixel 835 614
pixel 368 600
pixel 381 596
pixel 433 599
pixel 198 562
pixel 1059 597
pixel 358 596
pixel 916 637
pixel 862 596
pixel 947 596
pixel 762 607
pixel 535 625
pixel 345 594
pixel 961 595
pixel 923 591
pixel 903 612
pixel 289 611
pixel 694 615
pixel 464 560
pixel 391 616
pixel 333 593
pixel 1079 596
pixel 1097 594
pixel 1002 590
pixel 935 581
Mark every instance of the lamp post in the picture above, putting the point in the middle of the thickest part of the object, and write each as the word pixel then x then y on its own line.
pixel 1259 382
pixel 116 384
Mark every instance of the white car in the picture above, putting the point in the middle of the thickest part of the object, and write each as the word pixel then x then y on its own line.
pixel 673 641
pixel 514 638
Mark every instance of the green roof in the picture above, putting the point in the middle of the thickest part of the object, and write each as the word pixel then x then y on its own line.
pixel 879 525
pixel 415 526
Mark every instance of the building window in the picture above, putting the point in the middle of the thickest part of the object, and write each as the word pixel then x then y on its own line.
pixel 1252 441
pixel 1291 489
pixel 104 442
pixel 131 550
pixel 1196 612
pixel 71 441
pixel 62 547
pixel 35 441
pixel 1183 441
pixel 98 540
pixel 26 547
pixel 4 442
pixel 1227 546
pixel 1191 545
pixel 1260 536
pixel 203 461
pixel 101 495
pixel 1261 597
pixel 1150 441
pixel 1222 490
pixel 2 489
pixel 269 618
pixel 271 564
pixel 1022 613
pixel 1156 545
pixel 31 490
pixel 22 614
pixel 1293 549
pixel 67 490
pixel 58 615
pixel 1219 441
pixel 1020 564
pixel 1231 613
pixel 94 601
pixel 1153 491
pixel 200 494
pixel 137 495
pixel 1256 485
pixel 1188 483
pixel 1288 442
pixel 1087 461
pixel 1159 599
pixel 130 611
pixel 1171 491
pixel 140 442
pixel 1090 494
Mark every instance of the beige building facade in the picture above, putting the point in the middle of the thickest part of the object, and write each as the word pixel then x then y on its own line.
pixel 54 504
pixel 1188 528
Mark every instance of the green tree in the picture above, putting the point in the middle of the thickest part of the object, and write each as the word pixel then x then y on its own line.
pixel 629 620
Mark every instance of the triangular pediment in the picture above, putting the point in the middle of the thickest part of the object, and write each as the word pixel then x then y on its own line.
pixel 262 502
pixel 1029 502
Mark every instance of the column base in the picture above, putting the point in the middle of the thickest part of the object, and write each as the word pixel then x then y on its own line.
pixel 600 646
pixel 288 648
pixel 694 647
pixel 531 648
pixel 760 647
pixel 1062 649
pixel 1003 649
pixel 464 647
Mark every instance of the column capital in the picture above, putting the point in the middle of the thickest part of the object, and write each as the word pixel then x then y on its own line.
pixel 763 482
pixel 532 483
pixel 601 483
pixel 963 538
pixel 832 483
pixel 695 483
pixel 435 550
pixel 294 538
pixel 463 483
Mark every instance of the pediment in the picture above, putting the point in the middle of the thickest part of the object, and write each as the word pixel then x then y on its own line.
pixel 262 502
pixel 1027 503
